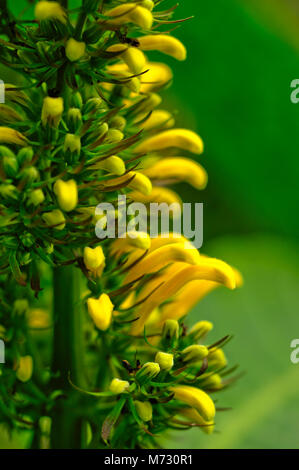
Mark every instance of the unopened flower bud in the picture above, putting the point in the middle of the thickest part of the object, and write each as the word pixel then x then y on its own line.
pixel 170 333
pixel 148 371
pixel 100 311
pixel 77 100
pixel 92 104
pixel 212 382
pixel 30 174
pixel 54 219
pixel 118 122
pixel 27 239
pixel 35 197
pixel 118 386
pixel 10 165
pixel 114 136
pixel 67 194
pixel 25 155
pixel 74 119
pixel 194 353
pixel 74 50
pixel 52 111
pixel 50 11
pixel 165 360
pixel 25 368
pixel 93 257
pixel 72 144
pixel 200 329
pixel 144 410
pixel 217 359
pixel 9 191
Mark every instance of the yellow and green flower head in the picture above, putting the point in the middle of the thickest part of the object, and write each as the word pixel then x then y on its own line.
pixel 88 126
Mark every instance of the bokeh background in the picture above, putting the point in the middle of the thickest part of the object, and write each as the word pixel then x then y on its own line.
pixel 235 91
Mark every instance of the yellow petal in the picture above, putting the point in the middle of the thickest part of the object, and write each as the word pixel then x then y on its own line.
pixel 118 386
pixel 179 138
pixel 93 257
pixel 158 119
pixel 25 368
pixel 11 136
pixel 113 164
pixel 157 75
pixel 54 219
pixel 179 169
pixel 67 194
pixel 52 111
pixel 163 43
pixel 158 195
pixel 194 417
pixel 50 11
pixel 132 56
pixel 130 13
pixel 74 50
pixel 100 311
pixel 195 398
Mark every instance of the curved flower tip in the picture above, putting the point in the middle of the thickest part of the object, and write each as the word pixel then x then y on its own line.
pixel 157 75
pixel 118 386
pixel 25 368
pixel 179 169
pixel 114 165
pixel 195 398
pixel 130 13
pixel 179 138
pixel 11 136
pixel 50 11
pixel 163 43
pixel 158 119
pixel 100 311
pixel 139 239
pixel 74 50
pixel 194 417
pixel 132 56
pixel 67 194
pixel 140 182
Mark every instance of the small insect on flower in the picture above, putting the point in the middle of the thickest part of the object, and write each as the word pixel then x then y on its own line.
pixel 100 311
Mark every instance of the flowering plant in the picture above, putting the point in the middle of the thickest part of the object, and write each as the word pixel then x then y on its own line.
pixel 84 127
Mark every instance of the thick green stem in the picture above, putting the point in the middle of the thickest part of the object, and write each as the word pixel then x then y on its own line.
pixel 68 358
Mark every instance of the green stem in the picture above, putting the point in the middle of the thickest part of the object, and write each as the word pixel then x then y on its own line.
pixel 68 358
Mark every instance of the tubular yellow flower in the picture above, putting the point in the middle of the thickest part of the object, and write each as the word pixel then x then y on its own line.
pixel 54 219
pixel 139 182
pixel 52 111
pixel 195 398
pixel 11 136
pixel 118 386
pixel 163 43
pixel 194 353
pixel 113 164
pixel 158 119
pixel 74 50
pixel 132 56
pixel 50 11
pixel 144 410
pixel 158 195
pixel 138 239
pixel 194 417
pixel 165 360
pixel 157 75
pixel 179 138
pixel 67 194
pixel 100 311
pixel 149 4
pixel 130 13
pixel 25 368
pixel 161 257
pixel 179 169
pixel 93 257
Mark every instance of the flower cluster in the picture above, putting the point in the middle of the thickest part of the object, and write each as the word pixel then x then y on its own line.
pixel 85 126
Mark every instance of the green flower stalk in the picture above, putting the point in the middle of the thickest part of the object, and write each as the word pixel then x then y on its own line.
pixel 98 353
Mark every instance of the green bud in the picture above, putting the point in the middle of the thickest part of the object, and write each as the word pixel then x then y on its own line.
pixel 76 100
pixel 10 165
pixel 9 191
pixel 20 306
pixel 165 360
pixel 147 372
pixel 35 197
pixel 144 410
pixel 118 122
pixel 200 329
pixel 93 104
pixel 114 136
pixel 194 353
pixel 30 174
pixel 74 119
pixel 170 333
pixel 25 155
pixel 27 239
pixel 72 144
pixel 6 152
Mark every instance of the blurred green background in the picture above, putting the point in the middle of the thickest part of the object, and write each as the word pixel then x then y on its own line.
pixel 235 90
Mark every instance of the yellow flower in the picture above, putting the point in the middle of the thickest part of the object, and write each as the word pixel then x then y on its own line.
pixel 54 219
pixel 163 43
pixel 158 195
pixel 25 368
pixel 137 181
pixel 74 50
pixel 50 11
pixel 52 110
pixel 72 143
pixel 179 169
pixel 211 382
pixel 93 257
pixel 132 56
pixel 130 13
pixel 217 359
pixel 200 329
pixel 67 194
pixel 36 197
pixel 100 311
pixel 157 75
pixel 11 136
pixel 149 370
pixel 118 386
pixel 158 119
pixel 179 138
pixel 165 360
pixel 113 164
pixel 195 398
pixel 194 417
pixel 144 410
